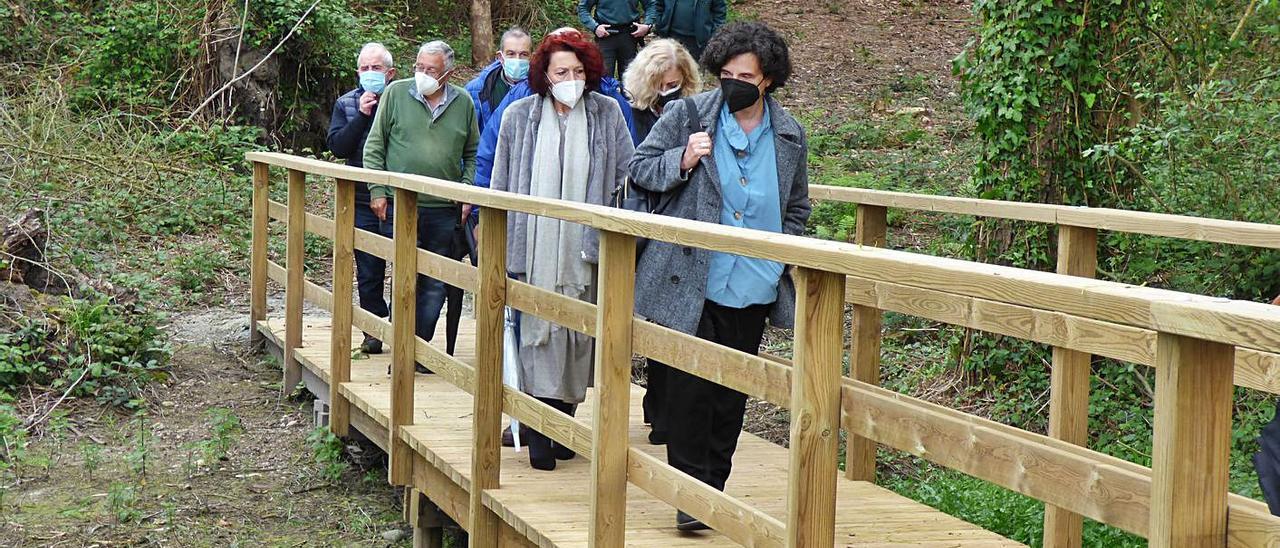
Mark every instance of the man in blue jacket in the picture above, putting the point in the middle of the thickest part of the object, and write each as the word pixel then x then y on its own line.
pixel 348 128
pixel 489 134
pixel 490 87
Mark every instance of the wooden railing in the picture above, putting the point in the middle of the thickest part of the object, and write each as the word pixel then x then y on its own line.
pixel 1074 340
pixel 1193 341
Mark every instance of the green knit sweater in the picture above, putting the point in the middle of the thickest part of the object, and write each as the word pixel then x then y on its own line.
pixel 405 138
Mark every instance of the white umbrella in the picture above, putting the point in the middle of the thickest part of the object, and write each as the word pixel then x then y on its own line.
pixel 511 366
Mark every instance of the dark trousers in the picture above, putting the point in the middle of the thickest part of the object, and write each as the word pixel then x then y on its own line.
pixel 371 270
pixel 706 418
pixel 435 234
pixel 540 446
pixel 617 50
pixel 655 395
pixel 689 42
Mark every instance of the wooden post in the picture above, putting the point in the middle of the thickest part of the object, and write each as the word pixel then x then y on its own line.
pixel 486 450
pixel 424 517
pixel 1192 442
pixel 258 253
pixel 611 422
pixel 864 345
pixel 815 408
pixel 344 219
pixel 1069 384
pixel 295 255
pixel 404 290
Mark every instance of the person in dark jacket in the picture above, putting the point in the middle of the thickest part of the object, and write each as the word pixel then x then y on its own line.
pixel 747 169
pixel 619 27
pixel 690 22
pixel 490 87
pixel 662 72
pixel 348 128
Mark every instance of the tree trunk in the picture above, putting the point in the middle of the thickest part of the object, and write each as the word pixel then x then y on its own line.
pixel 481 32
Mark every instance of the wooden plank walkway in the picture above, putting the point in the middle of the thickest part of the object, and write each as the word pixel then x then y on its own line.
pixel 552 508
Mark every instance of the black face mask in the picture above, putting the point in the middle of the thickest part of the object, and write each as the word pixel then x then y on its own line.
pixel 738 94
pixel 660 104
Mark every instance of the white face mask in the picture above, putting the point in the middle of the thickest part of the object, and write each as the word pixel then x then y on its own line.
pixel 569 92
pixel 425 83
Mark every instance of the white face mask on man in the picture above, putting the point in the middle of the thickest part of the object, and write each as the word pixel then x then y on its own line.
pixel 426 84
pixel 569 92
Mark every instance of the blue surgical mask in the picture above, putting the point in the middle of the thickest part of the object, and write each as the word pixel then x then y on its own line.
pixel 372 80
pixel 515 69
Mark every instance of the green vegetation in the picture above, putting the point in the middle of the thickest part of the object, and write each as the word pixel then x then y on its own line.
pixel 327 450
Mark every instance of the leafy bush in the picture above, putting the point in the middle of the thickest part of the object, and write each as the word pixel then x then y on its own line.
pixel 138 52
pixel 92 346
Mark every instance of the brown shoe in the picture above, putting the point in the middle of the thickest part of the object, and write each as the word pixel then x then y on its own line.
pixel 508 440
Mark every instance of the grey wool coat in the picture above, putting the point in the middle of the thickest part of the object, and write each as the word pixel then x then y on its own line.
pixel 561 367
pixel 611 149
pixel 671 280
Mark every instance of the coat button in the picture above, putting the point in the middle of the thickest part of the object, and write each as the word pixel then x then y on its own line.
pixel 737 215
pixel 742 181
pixel 688 251
pixel 742 154
pixel 675 279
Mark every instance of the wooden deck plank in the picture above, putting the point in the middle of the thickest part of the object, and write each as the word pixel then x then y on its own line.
pixel 553 508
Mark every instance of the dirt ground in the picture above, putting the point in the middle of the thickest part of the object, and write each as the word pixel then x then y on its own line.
pixel 268 488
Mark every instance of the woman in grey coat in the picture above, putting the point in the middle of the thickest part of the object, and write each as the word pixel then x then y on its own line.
pixel 747 169
pixel 565 142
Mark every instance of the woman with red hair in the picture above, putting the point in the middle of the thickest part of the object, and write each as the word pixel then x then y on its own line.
pixel 566 142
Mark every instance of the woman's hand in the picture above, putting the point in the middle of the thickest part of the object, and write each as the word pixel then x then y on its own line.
pixel 699 145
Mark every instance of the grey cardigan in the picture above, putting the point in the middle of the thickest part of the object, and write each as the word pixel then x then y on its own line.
pixel 671 280
pixel 611 149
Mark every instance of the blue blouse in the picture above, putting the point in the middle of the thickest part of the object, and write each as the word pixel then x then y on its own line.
pixel 748 168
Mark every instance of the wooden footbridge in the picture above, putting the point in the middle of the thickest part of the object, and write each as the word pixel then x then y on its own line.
pixel 442 431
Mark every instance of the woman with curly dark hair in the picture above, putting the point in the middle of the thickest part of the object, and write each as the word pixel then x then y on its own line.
pixel 746 169
pixel 565 142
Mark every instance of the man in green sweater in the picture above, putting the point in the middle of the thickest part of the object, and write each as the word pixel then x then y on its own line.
pixel 425 126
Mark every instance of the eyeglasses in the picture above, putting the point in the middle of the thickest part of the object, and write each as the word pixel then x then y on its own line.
pixel 430 71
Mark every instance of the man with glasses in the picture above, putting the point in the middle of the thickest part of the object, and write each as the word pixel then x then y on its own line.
pixel 425 126
pixel 348 128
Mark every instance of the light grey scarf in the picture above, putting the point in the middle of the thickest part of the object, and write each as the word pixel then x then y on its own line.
pixel 555 256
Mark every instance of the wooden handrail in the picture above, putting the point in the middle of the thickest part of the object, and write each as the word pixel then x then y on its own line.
pixel 1182 500
pixel 1241 323
pixel 1118 220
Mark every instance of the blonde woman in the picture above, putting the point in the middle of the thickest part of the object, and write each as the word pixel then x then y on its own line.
pixel 662 72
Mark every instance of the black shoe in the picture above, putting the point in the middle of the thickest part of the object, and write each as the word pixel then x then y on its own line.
pixel 422 369
pixel 685 522
pixel 508 440
pixel 542 464
pixel 371 345
pixel 658 437
pixel 562 453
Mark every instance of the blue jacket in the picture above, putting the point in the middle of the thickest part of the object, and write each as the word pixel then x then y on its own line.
pixel 348 130
pixel 481 90
pixel 489 135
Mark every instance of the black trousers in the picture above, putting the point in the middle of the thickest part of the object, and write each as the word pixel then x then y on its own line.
pixel 540 446
pixel 617 50
pixel 655 395
pixel 690 43
pixel 705 418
